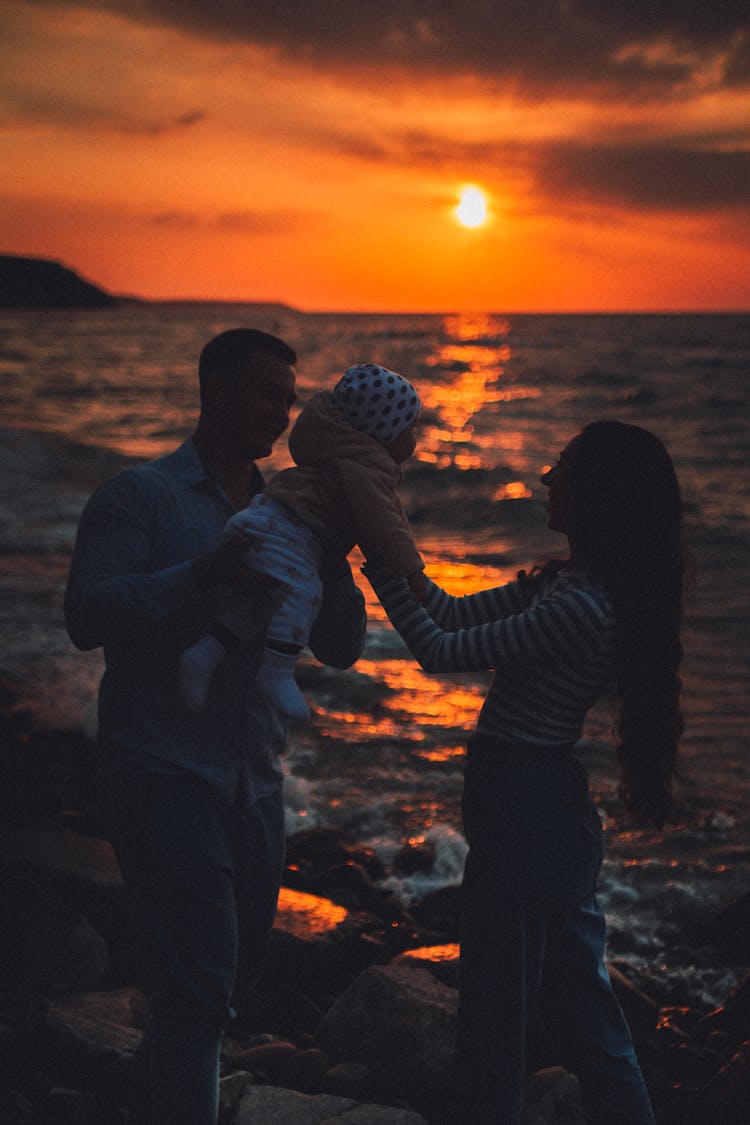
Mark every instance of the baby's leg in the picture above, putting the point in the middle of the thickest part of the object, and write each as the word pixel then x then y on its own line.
pixel 238 622
pixel 295 552
pixel 287 632
pixel 288 551
pixel 276 680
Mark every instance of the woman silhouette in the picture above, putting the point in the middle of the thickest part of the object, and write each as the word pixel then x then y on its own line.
pixel 533 935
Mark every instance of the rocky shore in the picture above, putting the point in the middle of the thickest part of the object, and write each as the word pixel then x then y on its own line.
pixel 353 1020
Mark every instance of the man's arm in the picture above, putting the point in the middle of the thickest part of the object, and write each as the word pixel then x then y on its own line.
pixel 338 633
pixel 112 594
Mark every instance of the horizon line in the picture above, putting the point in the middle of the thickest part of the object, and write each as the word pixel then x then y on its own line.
pixel 281 304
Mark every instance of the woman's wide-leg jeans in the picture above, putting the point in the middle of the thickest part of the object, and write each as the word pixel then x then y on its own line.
pixel 533 939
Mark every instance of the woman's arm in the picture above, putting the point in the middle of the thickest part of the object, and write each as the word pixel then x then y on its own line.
pixel 564 627
pixel 451 612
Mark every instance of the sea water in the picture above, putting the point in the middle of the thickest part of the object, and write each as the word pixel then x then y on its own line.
pixel 84 393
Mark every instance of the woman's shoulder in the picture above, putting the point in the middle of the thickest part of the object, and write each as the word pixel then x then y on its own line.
pixel 575 583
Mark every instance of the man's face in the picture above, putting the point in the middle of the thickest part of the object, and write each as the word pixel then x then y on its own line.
pixel 254 410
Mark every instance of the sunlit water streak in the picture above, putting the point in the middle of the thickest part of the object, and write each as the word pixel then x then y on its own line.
pixel 383 756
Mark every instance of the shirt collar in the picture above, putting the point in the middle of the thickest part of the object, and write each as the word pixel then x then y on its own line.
pixel 188 467
pixel 190 470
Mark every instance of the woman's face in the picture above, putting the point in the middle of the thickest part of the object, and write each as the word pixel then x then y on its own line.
pixel 560 495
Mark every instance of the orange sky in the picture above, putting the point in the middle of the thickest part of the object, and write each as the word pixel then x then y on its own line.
pixel 313 153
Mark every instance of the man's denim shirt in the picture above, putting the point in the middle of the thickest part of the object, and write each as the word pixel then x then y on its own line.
pixel 132 589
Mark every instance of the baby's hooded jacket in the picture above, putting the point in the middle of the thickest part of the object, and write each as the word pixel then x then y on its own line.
pixel 345 487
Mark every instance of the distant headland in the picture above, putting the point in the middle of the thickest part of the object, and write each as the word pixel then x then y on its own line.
pixel 36 283
pixel 40 283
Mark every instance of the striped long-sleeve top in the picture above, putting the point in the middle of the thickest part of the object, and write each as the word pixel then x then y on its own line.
pixel 550 642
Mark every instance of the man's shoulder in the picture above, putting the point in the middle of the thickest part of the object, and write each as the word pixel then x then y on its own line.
pixel 182 463
pixel 171 471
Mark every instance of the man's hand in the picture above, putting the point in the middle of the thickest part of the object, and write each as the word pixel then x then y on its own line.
pixel 224 566
pixel 333 565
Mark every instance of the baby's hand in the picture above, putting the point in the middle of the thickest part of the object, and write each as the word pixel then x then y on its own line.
pixel 418 585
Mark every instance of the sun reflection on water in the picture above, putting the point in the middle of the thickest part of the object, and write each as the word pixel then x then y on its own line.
pixel 301 913
pixel 443 753
pixel 513 490
pixel 435 954
pixel 454 575
pixel 471 377
pixel 477 358
pixel 418 703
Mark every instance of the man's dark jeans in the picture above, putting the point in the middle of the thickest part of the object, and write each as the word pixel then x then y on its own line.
pixel 202 880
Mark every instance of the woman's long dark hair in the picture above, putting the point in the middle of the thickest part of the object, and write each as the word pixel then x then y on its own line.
pixel 627 516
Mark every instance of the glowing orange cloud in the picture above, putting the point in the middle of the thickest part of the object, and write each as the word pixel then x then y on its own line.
pixel 251 160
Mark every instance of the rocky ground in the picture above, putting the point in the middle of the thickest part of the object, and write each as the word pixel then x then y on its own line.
pixel 354 1017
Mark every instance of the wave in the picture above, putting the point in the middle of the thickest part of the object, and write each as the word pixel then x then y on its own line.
pixel 31 454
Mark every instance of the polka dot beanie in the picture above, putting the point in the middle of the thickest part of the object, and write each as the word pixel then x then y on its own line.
pixel 377 401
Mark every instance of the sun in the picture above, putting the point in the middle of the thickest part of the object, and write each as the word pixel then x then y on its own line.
pixel 472 209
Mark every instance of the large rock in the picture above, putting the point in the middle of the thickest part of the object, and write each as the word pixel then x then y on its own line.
pixel 92 1038
pixel 553 1097
pixel 83 866
pixel 266 1058
pixel 43 772
pixel 231 1091
pixel 267 1105
pixel 317 948
pixel 46 947
pixel 727 1097
pixel 398 1020
pixel 80 871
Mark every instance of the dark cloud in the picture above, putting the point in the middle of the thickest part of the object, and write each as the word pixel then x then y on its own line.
pixel 239 222
pixel 703 173
pixel 625 49
pixel 73 109
pixel 192 117
pixel 645 177
pixel 539 48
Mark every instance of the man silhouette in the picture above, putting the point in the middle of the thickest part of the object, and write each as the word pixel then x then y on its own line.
pixel 194 803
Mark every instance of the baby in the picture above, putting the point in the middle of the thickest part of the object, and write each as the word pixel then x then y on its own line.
pixel 348 445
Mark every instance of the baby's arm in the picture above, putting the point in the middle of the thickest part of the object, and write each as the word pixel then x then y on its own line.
pixel 379 521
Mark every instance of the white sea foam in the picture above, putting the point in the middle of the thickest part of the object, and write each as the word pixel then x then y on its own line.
pixel 447 869
pixel 300 809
